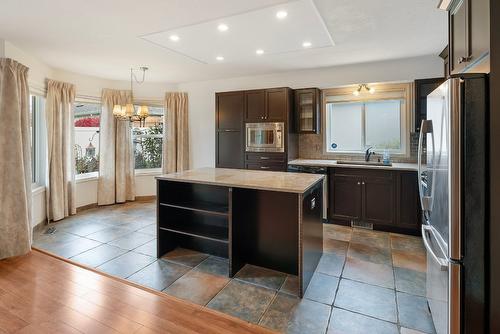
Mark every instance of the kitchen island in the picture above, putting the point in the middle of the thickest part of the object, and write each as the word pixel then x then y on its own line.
pixel 268 219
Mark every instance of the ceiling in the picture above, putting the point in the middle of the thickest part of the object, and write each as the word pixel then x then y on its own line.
pixel 106 38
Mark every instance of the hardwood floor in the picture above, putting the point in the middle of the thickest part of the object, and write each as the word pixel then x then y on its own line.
pixel 42 294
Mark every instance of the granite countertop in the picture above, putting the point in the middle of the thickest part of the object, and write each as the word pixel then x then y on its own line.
pixel 250 179
pixel 333 163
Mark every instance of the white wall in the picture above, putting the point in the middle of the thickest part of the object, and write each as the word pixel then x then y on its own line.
pixel 202 94
pixel 86 87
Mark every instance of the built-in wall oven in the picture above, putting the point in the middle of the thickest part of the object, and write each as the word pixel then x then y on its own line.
pixel 265 137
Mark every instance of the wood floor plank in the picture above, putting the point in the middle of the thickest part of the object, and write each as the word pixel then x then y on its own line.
pixel 45 294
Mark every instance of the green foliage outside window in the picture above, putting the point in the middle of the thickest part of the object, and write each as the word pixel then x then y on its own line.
pixel 148 147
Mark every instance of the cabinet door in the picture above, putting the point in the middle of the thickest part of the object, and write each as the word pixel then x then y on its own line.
pixel 480 28
pixel 378 199
pixel 277 105
pixel 409 206
pixel 459 37
pixel 307 110
pixel 230 149
pixel 345 196
pixel 255 108
pixel 230 109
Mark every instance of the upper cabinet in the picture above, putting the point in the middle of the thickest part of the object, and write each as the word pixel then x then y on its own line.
pixel 267 105
pixel 469 34
pixel 307 110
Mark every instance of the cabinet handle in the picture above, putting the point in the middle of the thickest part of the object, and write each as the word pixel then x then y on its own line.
pixel 464 59
pixel 363 182
pixel 264 167
pixel 264 158
pixel 359 183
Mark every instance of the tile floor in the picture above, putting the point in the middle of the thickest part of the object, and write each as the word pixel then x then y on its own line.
pixel 366 282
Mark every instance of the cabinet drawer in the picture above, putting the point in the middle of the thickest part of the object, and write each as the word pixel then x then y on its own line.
pixel 265 157
pixel 271 166
pixel 363 172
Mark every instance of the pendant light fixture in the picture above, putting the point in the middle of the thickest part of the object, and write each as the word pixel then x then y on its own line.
pixel 127 112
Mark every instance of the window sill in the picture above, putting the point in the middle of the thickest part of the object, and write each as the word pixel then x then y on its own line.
pixel 37 189
pixel 151 171
pixel 87 177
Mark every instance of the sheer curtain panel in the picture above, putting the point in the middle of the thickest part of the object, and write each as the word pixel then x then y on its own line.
pixel 116 158
pixel 15 160
pixel 61 157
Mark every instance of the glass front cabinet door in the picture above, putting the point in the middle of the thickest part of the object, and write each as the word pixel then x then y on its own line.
pixel 307 110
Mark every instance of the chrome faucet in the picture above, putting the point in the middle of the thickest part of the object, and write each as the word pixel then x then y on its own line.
pixel 368 154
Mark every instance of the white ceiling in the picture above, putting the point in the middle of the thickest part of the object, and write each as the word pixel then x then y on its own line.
pixel 248 32
pixel 105 38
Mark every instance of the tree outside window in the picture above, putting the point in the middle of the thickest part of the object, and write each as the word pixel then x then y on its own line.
pixel 87 120
pixel 148 141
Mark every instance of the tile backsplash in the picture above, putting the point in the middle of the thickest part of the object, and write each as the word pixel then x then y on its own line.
pixel 311 147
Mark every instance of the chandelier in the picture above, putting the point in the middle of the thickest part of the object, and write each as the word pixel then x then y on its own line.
pixel 127 112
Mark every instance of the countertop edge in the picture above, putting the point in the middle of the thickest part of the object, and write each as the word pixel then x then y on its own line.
pixel 333 164
pixel 222 184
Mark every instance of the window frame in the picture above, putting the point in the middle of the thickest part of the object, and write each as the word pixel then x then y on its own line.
pixel 154 104
pixel 37 104
pixel 85 177
pixel 402 128
pixel 384 91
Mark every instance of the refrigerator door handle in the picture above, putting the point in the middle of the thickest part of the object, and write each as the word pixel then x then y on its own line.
pixel 442 262
pixel 425 201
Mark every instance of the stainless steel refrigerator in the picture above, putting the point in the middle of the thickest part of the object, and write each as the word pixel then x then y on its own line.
pixel 453 170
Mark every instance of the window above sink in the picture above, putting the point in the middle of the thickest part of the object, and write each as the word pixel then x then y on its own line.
pixel 378 120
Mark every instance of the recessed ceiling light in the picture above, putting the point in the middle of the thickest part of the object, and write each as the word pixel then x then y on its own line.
pixel 281 14
pixel 222 27
pixel 259 52
pixel 219 58
pixel 306 44
pixel 174 38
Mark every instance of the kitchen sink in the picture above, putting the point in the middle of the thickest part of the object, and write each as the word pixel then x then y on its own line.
pixel 363 163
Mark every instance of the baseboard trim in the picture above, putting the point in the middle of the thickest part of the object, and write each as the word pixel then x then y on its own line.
pixel 86 207
pixel 145 198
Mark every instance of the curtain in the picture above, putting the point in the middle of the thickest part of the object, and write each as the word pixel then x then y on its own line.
pixel 176 133
pixel 15 160
pixel 61 157
pixel 116 158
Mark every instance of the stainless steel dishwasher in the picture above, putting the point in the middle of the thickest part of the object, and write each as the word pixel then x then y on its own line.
pixel 315 170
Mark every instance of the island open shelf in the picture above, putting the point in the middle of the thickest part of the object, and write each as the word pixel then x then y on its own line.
pixel 268 219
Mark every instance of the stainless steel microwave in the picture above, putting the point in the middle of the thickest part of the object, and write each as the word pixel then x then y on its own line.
pixel 264 137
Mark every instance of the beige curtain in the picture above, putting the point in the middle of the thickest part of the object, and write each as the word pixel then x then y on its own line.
pixel 176 133
pixel 15 160
pixel 60 143
pixel 116 159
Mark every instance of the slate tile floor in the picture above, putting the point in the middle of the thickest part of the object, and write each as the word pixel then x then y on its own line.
pixel 366 282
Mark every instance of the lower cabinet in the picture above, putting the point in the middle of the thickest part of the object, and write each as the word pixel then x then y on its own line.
pixel 385 198
pixel 266 161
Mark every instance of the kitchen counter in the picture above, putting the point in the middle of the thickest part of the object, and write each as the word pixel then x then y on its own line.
pixel 333 163
pixel 268 219
pixel 249 179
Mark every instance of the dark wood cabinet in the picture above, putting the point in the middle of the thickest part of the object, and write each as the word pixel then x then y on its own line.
pixel 267 105
pixel 307 110
pixel 424 87
pixel 276 104
pixel 255 105
pixel 345 196
pixel 387 199
pixel 266 161
pixel 229 140
pixel 378 198
pixel 469 38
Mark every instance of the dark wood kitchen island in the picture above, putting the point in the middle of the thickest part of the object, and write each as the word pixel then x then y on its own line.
pixel 268 219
